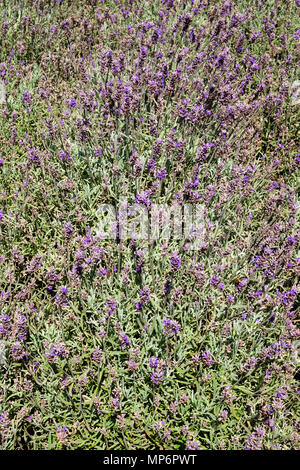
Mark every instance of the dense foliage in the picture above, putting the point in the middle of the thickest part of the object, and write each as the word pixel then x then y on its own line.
pixel 144 344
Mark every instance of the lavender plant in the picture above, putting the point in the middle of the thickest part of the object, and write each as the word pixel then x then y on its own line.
pixel 132 343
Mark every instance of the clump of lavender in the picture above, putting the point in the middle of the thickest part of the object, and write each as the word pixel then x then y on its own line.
pixel 115 400
pixel 207 358
pixel 167 286
pixel 192 445
pixel 133 358
pixel 255 440
pixel 228 395
pixel 110 307
pixel 56 351
pixel 171 327
pixel 51 278
pixel 160 425
pixel 153 362
pixel 18 352
pixel 61 299
pixel 198 113
pixel 97 355
pixel 124 340
pixel 62 435
pixel 27 97
pixel 249 364
pixel 222 416
pixel 20 327
pixel 144 297
pixel 120 421
pixel 5 424
pixel 140 260
pixel 35 264
pixel 65 156
pixel 158 374
pixel 68 230
pixel 83 380
pixel 196 360
pixel 5 326
pixel 175 263
pixel 18 258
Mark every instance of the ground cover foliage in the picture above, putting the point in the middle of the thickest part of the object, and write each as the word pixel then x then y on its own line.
pixel 144 344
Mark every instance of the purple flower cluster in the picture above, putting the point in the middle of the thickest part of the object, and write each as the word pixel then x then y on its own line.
pixel 171 327
pixel 56 351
